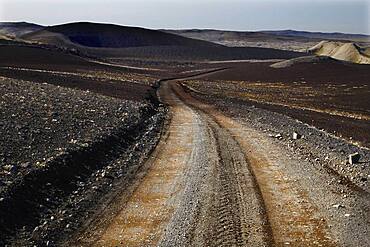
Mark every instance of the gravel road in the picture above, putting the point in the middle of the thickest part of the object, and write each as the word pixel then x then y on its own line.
pixel 218 180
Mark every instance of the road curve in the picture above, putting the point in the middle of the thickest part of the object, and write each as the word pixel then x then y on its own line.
pixel 214 181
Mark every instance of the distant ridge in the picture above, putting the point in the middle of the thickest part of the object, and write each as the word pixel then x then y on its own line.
pixel 282 39
pixel 320 35
pixel 17 29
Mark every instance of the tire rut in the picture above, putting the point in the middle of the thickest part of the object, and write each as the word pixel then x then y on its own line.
pixel 291 220
pixel 236 215
pixel 231 224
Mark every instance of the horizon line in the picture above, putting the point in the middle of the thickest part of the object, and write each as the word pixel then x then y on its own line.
pixel 192 28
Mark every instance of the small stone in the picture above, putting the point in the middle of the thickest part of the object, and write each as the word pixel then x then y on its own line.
pixel 73 141
pixel 354 158
pixel 10 168
pixel 1 199
pixel 337 206
pixel 25 165
pixel 347 215
pixel 296 136
pixel 278 136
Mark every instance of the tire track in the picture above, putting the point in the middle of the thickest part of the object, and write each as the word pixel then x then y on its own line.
pixel 293 216
pixel 235 214
pixel 238 205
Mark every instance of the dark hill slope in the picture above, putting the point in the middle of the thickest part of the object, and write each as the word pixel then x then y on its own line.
pixel 118 43
pixel 33 57
pixel 111 36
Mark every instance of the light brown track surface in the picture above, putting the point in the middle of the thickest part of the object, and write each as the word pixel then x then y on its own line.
pixel 293 216
pixel 214 181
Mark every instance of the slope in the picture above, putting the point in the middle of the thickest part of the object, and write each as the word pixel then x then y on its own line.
pixel 108 36
pixel 17 29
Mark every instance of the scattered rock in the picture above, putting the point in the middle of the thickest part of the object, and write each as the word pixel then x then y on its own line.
pixel 10 168
pixel 36 229
pixel 278 136
pixel 354 158
pixel 337 206
pixel 73 141
pixel 25 165
pixel 296 136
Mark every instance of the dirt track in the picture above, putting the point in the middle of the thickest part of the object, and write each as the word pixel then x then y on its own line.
pixel 216 181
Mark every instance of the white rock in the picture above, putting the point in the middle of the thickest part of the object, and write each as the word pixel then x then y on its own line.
pixel 354 158
pixel 337 206
pixel 296 136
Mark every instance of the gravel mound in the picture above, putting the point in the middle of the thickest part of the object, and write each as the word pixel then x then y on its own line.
pixel 343 51
pixel 308 59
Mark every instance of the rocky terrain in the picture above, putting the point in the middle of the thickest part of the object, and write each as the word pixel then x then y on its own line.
pixel 62 149
pixel 124 136
pixel 316 144
pixel 328 94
